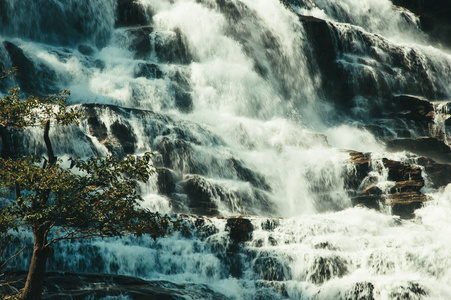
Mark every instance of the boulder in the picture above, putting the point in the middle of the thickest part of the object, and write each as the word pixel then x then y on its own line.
pixel 240 229
pixel 325 268
pixel 271 268
pixel 85 50
pixel 201 195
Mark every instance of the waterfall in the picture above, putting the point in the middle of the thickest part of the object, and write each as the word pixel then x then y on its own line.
pixel 253 107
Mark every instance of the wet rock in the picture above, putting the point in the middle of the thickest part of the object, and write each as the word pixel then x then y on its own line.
pixel 205 228
pixel 166 181
pixel 33 79
pixel 411 290
pixel 139 41
pixel 272 241
pixel 171 46
pixel 177 154
pixel 323 269
pixel 325 245
pixel 404 204
pixel 85 50
pixel 361 291
pixel 130 13
pixel 68 285
pixel 201 195
pixel 417 113
pixel 434 17
pixel 361 162
pixel 240 229
pixel 148 70
pixel 247 174
pixel 423 146
pixel 125 135
pixel 398 171
pixel 271 268
pixel 404 197
pixel 181 89
pixel 439 174
pixel 96 127
pixel 322 39
pixel 370 201
pixel 270 224
pixel 370 197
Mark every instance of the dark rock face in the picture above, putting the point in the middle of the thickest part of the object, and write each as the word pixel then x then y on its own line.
pixel 324 268
pixel 361 163
pixel 172 47
pixel 321 36
pixel 434 17
pixel 440 174
pixel 67 285
pixel 270 268
pixel 182 92
pixel 423 146
pixel 125 135
pixel 85 50
pixel 404 197
pixel 37 80
pixel 166 181
pixel 119 138
pixel 412 290
pixel 140 41
pixel 200 193
pixel 130 13
pixel 361 291
pixel 148 70
pixel 240 229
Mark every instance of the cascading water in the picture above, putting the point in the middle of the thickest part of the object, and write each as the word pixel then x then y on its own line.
pixel 249 108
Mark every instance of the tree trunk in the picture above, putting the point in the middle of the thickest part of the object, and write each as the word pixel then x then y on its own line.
pixel 36 273
pixel 6 151
pixel 48 144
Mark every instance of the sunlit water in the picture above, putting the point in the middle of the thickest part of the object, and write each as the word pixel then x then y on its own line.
pixel 256 97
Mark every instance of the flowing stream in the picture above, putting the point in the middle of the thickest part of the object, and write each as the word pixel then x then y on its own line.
pixel 231 97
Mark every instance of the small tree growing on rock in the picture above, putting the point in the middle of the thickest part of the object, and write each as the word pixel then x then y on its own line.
pixel 93 198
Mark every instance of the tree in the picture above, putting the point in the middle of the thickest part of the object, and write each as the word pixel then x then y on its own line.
pixel 76 199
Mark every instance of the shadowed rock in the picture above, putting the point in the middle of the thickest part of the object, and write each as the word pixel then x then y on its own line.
pixel 240 229
pixel 423 146
pixel 68 285
pixel 130 13
pixel 404 197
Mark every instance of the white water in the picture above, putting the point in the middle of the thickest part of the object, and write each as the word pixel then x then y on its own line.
pixel 256 98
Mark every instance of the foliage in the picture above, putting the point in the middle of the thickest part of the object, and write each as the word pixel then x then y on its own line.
pixel 32 111
pixel 90 198
pixel 75 199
